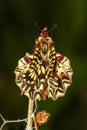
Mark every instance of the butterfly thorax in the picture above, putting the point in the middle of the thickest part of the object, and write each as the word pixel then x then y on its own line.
pixel 44 45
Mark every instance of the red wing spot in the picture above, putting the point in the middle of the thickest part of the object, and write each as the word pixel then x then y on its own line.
pixel 27 59
pixel 63 74
pixel 59 58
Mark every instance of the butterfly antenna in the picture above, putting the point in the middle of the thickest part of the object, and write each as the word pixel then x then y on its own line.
pixel 54 26
pixel 38 27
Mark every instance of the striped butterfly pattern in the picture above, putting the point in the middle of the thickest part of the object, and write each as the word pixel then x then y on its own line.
pixel 44 73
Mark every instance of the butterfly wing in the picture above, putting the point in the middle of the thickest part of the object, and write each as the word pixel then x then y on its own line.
pixel 26 76
pixel 60 78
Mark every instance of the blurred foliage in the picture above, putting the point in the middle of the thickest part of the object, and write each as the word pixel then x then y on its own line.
pixel 17 35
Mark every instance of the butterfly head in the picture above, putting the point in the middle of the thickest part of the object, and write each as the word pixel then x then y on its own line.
pixel 44 33
pixel 44 41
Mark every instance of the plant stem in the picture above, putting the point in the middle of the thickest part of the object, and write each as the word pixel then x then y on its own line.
pixel 30 114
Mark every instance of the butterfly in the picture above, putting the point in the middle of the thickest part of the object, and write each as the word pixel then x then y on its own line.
pixel 45 72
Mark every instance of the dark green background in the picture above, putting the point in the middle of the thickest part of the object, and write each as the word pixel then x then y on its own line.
pixel 17 35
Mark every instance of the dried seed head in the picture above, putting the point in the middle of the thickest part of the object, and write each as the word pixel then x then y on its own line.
pixel 41 117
